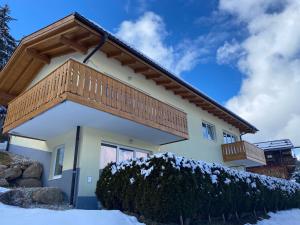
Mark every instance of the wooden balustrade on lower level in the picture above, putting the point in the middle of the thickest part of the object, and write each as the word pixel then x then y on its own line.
pixel 79 83
pixel 243 150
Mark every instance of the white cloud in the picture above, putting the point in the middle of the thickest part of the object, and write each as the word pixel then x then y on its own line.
pixel 229 52
pixel 270 92
pixel 148 34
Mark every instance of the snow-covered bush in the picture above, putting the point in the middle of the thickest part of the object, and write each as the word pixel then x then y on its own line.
pixel 165 187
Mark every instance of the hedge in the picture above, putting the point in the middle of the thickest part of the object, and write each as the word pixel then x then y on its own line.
pixel 166 188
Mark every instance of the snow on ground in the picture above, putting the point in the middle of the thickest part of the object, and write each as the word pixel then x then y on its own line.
pixel 20 216
pixel 2 189
pixel 287 217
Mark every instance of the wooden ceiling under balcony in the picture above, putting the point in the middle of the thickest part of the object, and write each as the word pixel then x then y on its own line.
pixel 72 34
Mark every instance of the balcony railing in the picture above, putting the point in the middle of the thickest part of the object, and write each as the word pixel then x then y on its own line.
pixel 243 150
pixel 289 161
pixel 79 83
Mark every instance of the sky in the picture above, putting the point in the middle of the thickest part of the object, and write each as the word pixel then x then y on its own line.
pixel 244 54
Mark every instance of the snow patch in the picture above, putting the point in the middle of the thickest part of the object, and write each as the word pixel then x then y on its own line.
pixel 2 189
pixel 286 217
pixel 19 216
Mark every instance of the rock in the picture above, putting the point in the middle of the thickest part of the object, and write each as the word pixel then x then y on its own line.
pixel 3 182
pixel 12 173
pixel 48 195
pixel 5 158
pixel 33 171
pixel 28 182
pixel 16 197
pixel 27 197
pixel 2 168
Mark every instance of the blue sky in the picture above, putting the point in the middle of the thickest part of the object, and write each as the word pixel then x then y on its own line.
pixel 244 54
pixel 208 76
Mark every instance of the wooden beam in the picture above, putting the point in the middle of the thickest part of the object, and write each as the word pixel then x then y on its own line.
pixel 114 54
pixel 6 97
pixel 172 87
pixel 128 62
pixel 180 92
pixel 36 55
pixel 189 96
pixel 142 69
pixel 196 101
pixel 73 44
pixel 163 82
pixel 152 76
pixel 207 107
pixel 84 37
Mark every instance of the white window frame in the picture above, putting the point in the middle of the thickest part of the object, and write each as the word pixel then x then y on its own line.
pixel 214 131
pixel 54 161
pixel 120 147
pixel 231 134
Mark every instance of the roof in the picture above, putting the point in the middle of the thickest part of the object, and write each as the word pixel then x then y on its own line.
pixel 12 76
pixel 276 145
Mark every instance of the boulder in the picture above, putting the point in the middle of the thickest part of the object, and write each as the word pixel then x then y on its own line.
pixel 28 182
pixel 5 158
pixel 16 197
pixel 33 171
pixel 48 195
pixel 12 173
pixel 3 182
pixel 2 168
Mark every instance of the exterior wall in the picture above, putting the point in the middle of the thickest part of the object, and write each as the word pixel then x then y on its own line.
pixel 196 147
pixel 89 160
pixel 68 140
pixel 29 143
pixel 42 151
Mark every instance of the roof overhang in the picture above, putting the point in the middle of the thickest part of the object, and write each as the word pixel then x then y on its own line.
pixel 76 33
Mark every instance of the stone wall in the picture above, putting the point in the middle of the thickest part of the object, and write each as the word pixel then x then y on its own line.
pixel 19 171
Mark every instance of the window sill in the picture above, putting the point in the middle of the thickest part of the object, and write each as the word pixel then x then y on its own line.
pixel 56 177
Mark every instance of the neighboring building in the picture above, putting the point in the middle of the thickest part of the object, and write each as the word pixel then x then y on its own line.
pixel 280 159
pixel 85 98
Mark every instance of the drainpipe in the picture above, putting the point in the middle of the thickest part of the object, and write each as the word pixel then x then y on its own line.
pixel 241 138
pixel 101 43
pixel 8 143
pixel 74 172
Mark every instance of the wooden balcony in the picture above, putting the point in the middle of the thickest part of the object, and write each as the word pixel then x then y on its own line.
pixel 76 82
pixel 243 153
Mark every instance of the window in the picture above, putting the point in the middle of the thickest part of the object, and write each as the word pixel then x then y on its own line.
pixel 114 153
pixel 229 138
pixel 208 131
pixel 125 154
pixel 58 162
pixel 141 154
pixel 108 154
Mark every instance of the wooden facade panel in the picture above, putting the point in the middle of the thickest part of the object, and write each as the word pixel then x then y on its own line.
pixel 87 86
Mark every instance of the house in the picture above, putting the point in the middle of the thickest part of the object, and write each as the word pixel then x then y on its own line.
pixel 79 98
pixel 279 157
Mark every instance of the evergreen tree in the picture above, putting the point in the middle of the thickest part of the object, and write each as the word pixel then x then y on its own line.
pixel 296 174
pixel 7 42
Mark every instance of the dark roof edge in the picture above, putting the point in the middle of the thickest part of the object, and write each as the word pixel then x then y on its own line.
pixel 156 66
pixel 286 139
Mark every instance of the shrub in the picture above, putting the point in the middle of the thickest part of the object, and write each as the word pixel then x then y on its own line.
pixel 165 187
